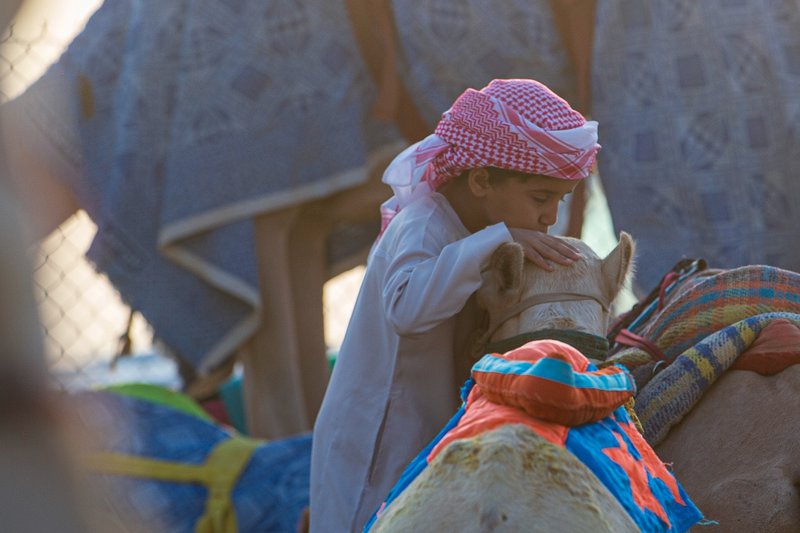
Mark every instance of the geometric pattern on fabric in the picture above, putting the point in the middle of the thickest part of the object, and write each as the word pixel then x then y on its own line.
pixel 672 393
pixel 513 124
pixel 202 115
pixel 706 304
pixel 450 45
pixel 615 451
pixel 703 327
pixel 269 494
pixel 611 447
pixel 700 108
pixel 483 129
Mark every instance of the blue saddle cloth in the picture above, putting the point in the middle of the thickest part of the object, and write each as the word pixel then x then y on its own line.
pixel 269 496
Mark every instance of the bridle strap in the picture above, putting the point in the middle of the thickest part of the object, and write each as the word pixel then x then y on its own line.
pixel 538 299
pixel 593 346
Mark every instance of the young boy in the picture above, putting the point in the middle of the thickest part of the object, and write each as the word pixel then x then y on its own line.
pixel 494 171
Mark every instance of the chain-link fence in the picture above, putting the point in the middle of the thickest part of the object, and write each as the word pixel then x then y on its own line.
pixel 84 319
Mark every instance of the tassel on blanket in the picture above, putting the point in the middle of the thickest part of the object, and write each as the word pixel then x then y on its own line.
pixel 630 409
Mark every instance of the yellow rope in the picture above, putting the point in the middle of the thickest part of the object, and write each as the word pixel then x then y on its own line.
pixel 629 406
pixel 219 474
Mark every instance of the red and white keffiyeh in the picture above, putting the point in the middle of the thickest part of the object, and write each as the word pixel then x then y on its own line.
pixel 510 124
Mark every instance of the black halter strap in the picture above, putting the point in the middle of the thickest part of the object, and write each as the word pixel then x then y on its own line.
pixel 593 346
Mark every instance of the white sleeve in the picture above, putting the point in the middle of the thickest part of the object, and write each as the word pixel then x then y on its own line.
pixel 423 289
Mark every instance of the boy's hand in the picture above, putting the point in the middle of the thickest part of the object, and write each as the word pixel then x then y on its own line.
pixel 541 248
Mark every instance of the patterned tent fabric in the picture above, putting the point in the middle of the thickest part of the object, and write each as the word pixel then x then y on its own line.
pixel 699 104
pixel 451 45
pixel 185 119
pixel 270 493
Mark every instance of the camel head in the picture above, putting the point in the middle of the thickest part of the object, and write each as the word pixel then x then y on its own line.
pixel 523 298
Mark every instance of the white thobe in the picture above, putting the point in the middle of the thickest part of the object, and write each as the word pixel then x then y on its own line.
pixel 393 386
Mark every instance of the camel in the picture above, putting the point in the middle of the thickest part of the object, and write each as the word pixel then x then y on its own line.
pixel 730 452
pixel 511 479
pixel 507 480
pixel 737 452
pixel 733 451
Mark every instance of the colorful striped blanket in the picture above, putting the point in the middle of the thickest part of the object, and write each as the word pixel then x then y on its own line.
pixel 701 331
pixel 553 389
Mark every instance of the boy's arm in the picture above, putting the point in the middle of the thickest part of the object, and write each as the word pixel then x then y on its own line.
pixel 423 289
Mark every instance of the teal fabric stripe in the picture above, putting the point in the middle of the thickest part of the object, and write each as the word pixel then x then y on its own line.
pixel 555 370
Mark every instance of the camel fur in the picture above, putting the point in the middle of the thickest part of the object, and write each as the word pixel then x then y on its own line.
pixel 509 279
pixel 507 480
pixel 737 452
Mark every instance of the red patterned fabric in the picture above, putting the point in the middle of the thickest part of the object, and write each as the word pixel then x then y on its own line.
pixel 493 127
pixel 516 125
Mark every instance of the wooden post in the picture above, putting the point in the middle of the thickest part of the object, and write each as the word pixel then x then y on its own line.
pixel 308 263
pixel 285 364
pixel 273 386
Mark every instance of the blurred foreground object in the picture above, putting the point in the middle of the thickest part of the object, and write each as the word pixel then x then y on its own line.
pixel 38 486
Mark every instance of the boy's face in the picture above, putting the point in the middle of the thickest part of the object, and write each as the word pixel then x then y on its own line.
pixel 528 203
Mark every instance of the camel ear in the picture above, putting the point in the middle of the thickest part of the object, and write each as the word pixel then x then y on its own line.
pixel 506 267
pixel 618 265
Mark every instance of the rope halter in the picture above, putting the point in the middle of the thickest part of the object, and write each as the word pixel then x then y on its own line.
pixel 537 299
